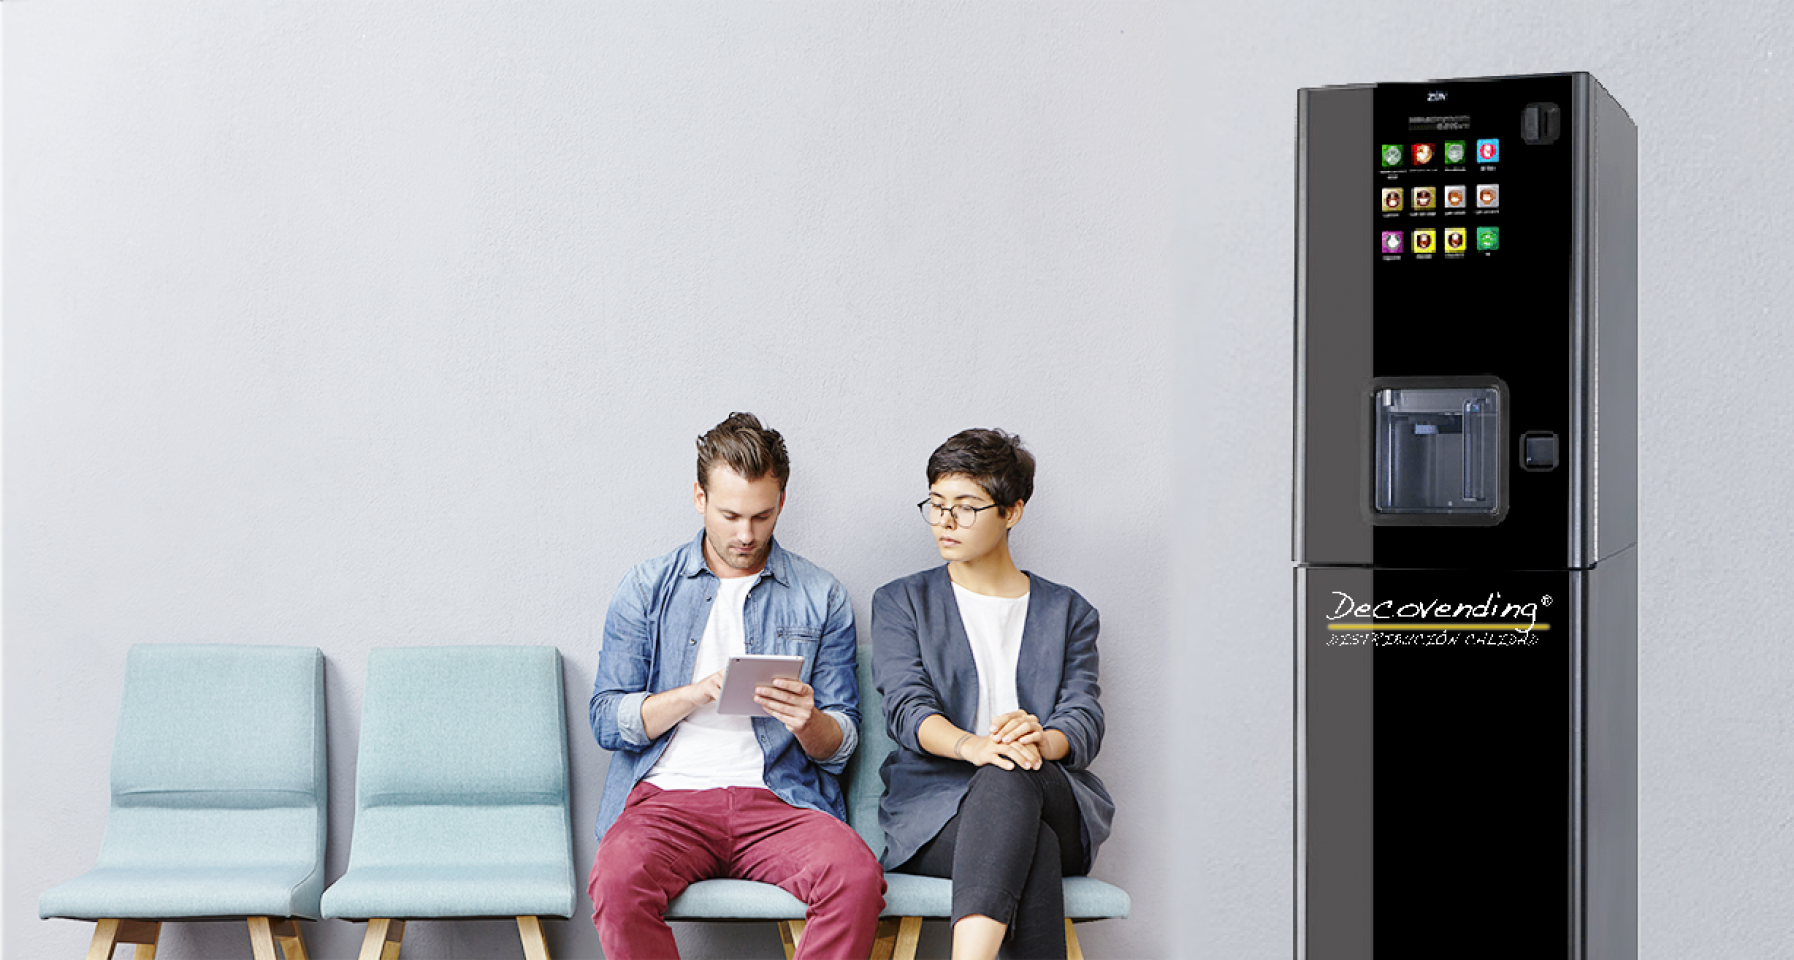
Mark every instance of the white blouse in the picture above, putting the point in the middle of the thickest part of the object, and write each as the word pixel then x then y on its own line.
pixel 994 626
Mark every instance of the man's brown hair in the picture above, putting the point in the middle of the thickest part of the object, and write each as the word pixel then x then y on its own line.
pixel 743 445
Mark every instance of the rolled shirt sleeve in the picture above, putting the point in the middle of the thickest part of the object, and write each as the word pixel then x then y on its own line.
pixel 624 662
pixel 835 680
pixel 850 739
pixel 1079 713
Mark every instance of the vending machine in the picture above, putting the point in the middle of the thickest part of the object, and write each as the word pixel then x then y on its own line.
pixel 1466 521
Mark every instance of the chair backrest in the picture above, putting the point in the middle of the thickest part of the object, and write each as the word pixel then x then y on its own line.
pixel 464 731
pixel 219 756
pixel 865 788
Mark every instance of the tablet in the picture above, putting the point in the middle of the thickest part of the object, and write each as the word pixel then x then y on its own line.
pixel 746 673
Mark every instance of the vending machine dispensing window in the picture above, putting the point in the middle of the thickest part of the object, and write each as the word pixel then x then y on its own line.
pixel 1438 451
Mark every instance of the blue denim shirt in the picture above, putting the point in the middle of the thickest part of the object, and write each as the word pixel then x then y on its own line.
pixel 651 634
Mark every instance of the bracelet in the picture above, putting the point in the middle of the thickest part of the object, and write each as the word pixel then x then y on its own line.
pixel 960 743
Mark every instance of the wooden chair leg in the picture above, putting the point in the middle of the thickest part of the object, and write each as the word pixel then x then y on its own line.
pixel 108 934
pixel 535 946
pixel 291 940
pixel 1072 950
pixel 261 938
pixel 790 932
pixel 382 940
pixel 884 942
pixel 909 933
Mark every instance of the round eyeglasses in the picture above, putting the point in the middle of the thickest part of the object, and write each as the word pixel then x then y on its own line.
pixel 963 515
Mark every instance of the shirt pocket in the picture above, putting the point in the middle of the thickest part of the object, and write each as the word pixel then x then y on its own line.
pixel 801 642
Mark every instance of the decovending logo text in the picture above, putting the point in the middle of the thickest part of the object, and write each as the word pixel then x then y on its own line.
pixel 1498 614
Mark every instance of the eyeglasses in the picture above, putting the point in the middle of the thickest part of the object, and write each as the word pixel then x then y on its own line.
pixel 963 515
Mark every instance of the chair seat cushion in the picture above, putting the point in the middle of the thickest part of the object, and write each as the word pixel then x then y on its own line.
pixel 734 900
pixel 1087 899
pixel 184 893
pixel 906 895
pixel 500 890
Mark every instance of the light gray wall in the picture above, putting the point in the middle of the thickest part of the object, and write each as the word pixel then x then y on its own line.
pixel 355 326
pixel 366 325
pixel 1708 85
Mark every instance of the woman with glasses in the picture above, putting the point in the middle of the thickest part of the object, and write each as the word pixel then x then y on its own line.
pixel 988 675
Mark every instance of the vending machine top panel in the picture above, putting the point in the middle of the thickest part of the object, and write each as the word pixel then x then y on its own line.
pixel 1456 285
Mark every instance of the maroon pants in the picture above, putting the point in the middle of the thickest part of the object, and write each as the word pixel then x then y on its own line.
pixel 665 840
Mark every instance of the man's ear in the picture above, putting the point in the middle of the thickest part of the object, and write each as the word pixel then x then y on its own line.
pixel 697 496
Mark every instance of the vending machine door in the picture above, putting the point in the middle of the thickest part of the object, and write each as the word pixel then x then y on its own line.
pixel 1437 743
pixel 1439 338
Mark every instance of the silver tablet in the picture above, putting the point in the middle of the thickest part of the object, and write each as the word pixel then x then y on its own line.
pixel 746 673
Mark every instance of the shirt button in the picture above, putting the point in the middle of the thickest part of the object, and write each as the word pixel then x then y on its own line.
pixel 692 640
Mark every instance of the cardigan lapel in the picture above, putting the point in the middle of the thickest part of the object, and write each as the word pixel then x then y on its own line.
pixel 1042 658
pixel 956 655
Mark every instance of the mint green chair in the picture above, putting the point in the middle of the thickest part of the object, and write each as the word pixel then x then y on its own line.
pixel 908 899
pixel 461 794
pixel 218 799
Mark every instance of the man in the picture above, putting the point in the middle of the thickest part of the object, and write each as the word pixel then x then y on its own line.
pixel 692 793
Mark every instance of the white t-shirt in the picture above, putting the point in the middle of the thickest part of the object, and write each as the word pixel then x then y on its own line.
pixel 708 749
pixel 994 626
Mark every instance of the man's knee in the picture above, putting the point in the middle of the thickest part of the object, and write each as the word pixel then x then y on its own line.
pixel 860 869
pixel 621 872
pixel 846 865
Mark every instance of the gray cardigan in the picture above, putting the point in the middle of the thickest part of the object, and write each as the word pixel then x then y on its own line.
pixel 922 662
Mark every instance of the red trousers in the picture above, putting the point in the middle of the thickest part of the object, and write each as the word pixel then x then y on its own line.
pixel 665 840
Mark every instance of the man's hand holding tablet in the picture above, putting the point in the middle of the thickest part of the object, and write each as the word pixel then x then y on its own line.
pixel 748 672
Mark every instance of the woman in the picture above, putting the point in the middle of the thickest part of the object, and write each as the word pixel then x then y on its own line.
pixel 989 681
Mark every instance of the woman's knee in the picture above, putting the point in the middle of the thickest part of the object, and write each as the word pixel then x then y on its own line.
pixel 993 780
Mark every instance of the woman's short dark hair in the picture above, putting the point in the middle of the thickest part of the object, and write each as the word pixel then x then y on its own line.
pixel 994 460
pixel 744 446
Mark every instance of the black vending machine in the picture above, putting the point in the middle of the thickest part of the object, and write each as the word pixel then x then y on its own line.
pixel 1466 521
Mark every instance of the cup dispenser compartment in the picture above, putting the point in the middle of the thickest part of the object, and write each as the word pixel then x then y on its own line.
pixel 1438 451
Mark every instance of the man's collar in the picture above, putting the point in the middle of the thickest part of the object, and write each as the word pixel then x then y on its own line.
pixel 778 565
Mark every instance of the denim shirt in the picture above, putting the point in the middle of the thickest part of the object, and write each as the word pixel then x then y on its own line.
pixel 657 617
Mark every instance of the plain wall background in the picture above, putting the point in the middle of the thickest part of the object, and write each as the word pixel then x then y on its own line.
pixel 362 325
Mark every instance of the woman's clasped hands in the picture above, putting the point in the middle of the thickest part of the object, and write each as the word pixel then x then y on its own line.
pixel 1015 740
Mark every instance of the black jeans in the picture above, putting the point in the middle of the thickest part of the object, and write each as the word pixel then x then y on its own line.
pixel 1022 835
